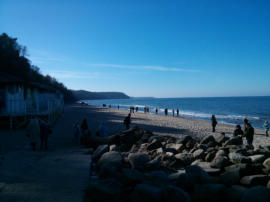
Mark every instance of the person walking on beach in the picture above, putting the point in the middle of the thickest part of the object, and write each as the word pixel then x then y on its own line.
pixel 238 131
pixel 77 131
pixel 266 127
pixel 45 130
pixel 103 130
pixel 177 112
pixel 156 111
pixel 84 127
pixel 33 132
pixel 127 121
pixel 249 134
pixel 166 111
pixel 214 123
pixel 137 108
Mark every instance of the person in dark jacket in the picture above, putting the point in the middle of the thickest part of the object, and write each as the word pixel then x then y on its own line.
pixel 249 133
pixel 214 123
pixel 245 123
pixel 238 131
pixel 127 121
pixel 84 127
pixel 45 130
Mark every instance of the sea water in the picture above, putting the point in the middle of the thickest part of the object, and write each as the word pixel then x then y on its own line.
pixel 230 110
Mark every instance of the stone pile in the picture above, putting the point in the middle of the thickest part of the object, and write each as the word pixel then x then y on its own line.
pixel 141 166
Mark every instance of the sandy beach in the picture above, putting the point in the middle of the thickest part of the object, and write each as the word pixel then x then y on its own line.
pixel 61 173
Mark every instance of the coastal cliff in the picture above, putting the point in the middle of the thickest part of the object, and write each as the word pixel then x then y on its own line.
pixel 87 95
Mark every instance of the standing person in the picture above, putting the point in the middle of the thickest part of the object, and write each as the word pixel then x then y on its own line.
pixel 245 123
pixel 214 123
pixel 118 106
pixel 266 127
pixel 103 130
pixel 156 110
pixel 249 133
pixel 137 108
pixel 166 111
pixel 238 131
pixel 177 112
pixel 45 130
pixel 127 121
pixel 77 131
pixel 84 127
pixel 33 132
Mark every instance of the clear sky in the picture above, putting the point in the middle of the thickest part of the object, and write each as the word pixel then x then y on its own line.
pixel 180 48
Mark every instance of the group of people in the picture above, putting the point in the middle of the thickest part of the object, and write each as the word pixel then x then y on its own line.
pixel 38 129
pixel 248 131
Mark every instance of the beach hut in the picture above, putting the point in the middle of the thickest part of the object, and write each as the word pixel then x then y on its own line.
pixel 20 98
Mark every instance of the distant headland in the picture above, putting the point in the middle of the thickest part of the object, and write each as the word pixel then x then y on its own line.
pixel 87 95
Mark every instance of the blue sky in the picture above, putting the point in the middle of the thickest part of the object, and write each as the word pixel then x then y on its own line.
pixel 147 47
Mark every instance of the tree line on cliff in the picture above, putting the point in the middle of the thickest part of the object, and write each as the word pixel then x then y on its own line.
pixel 13 61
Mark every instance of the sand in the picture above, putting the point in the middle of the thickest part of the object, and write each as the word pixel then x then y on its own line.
pixel 61 174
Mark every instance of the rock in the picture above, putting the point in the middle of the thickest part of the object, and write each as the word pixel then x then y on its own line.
pixel 246 169
pixel 154 164
pixel 209 193
pixel 254 180
pixel 235 193
pixel 99 152
pixel 113 158
pixel 234 141
pixel 143 148
pixel 103 190
pixel 220 138
pixel 157 178
pixel 159 151
pixel 266 163
pixel 184 139
pixel 174 194
pixel 207 168
pixel 146 193
pixel 190 144
pixel 268 185
pixel 114 148
pixel 130 137
pixel 185 158
pixel 169 154
pixel 197 174
pixel 198 154
pixel 210 156
pixel 131 177
pixel 259 158
pixel 108 170
pixel 138 160
pixel 230 177
pixel 207 139
pixel 220 162
pixel 256 194
pixel 173 177
pixel 238 158
pixel 220 153
pixel 155 144
pixel 174 148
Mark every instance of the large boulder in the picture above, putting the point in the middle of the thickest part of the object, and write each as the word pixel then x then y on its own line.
pixel 184 139
pixel 174 147
pixel 254 180
pixel 113 158
pixel 207 168
pixel 99 152
pixel 174 194
pixel 131 177
pixel 209 193
pixel 246 169
pixel 130 137
pixel 266 163
pixel 146 193
pixel 221 138
pixel 235 193
pixel 154 164
pixel 234 141
pixel 185 158
pixel 198 174
pixel 155 144
pixel 198 154
pixel 259 158
pixel 207 139
pixel 220 162
pixel 256 194
pixel 238 158
pixel 138 160
pixel 103 190
pixel 230 177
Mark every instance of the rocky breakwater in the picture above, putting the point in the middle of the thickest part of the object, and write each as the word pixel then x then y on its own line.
pixel 140 166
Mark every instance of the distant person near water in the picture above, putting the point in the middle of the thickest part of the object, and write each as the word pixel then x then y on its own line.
pixel 266 127
pixel 77 131
pixel 238 131
pixel 156 111
pixel 177 112
pixel 214 123
pixel 33 132
pixel 137 108
pixel 84 127
pixel 245 123
pixel 103 130
pixel 127 121
pixel 118 106
pixel 45 131
pixel 166 111
pixel 249 134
